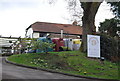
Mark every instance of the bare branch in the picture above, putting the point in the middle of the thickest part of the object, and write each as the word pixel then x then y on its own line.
pixel 75 10
pixel 52 2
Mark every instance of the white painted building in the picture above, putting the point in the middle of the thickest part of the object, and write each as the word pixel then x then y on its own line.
pixel 41 29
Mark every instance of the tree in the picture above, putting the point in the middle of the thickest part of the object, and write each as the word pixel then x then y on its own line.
pixel 109 26
pixel 75 11
pixel 88 19
pixel 109 47
pixel 115 7
pixel 89 11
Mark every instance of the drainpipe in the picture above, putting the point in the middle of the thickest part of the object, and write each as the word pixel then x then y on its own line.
pixel 26 33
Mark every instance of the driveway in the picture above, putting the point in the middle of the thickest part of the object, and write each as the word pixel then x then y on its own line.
pixel 10 71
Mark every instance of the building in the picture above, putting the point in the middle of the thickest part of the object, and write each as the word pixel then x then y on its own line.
pixel 41 29
pixel 6 44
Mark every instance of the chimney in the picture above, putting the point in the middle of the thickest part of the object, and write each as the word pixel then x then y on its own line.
pixel 75 23
pixel 61 33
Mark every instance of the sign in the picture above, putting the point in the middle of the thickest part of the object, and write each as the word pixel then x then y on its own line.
pixel 93 46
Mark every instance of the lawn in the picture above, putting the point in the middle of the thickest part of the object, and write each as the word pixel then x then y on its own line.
pixel 73 62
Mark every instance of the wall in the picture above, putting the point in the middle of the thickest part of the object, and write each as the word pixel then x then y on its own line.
pixel 29 33
pixel 36 35
pixel 64 36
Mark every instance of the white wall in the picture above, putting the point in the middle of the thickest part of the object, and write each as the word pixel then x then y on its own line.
pixel 29 33
pixel 36 35
pixel 32 34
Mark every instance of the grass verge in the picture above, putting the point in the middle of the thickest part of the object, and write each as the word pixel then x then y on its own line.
pixel 73 62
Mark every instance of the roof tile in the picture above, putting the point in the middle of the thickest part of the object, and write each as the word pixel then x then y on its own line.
pixel 56 28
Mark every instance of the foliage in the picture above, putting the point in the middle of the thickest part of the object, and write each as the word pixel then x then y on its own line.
pixel 43 46
pixel 109 48
pixel 109 26
pixel 66 49
pixel 115 7
pixel 73 62
pixel 25 44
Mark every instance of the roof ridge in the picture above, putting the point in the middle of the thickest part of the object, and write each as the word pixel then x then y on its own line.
pixel 52 23
pixel 55 27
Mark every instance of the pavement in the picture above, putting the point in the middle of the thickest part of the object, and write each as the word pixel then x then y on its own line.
pixel 12 72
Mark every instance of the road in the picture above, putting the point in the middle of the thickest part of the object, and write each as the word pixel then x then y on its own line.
pixel 10 71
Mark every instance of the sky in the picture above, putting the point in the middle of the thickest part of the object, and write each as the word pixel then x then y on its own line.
pixel 17 15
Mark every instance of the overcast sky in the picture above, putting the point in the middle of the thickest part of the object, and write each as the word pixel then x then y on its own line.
pixel 17 15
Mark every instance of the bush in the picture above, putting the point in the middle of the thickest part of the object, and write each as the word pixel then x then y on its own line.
pixel 43 46
pixel 66 49
pixel 109 47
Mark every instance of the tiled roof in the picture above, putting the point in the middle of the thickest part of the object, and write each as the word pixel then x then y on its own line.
pixel 56 28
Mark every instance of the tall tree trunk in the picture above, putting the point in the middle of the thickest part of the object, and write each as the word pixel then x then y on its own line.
pixel 90 10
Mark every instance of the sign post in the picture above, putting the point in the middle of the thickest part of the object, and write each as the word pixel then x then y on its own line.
pixel 93 46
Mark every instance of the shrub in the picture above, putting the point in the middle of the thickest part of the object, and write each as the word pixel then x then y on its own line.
pixel 66 49
pixel 109 47
pixel 43 46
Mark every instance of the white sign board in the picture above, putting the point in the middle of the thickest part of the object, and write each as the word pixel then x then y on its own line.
pixel 93 46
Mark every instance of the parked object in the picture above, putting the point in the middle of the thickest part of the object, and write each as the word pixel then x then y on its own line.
pixel 32 51
pixel 59 43
pixel 68 43
pixel 45 39
pixel 73 44
pixel 76 44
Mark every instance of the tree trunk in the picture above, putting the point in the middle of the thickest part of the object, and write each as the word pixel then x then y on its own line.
pixel 90 10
